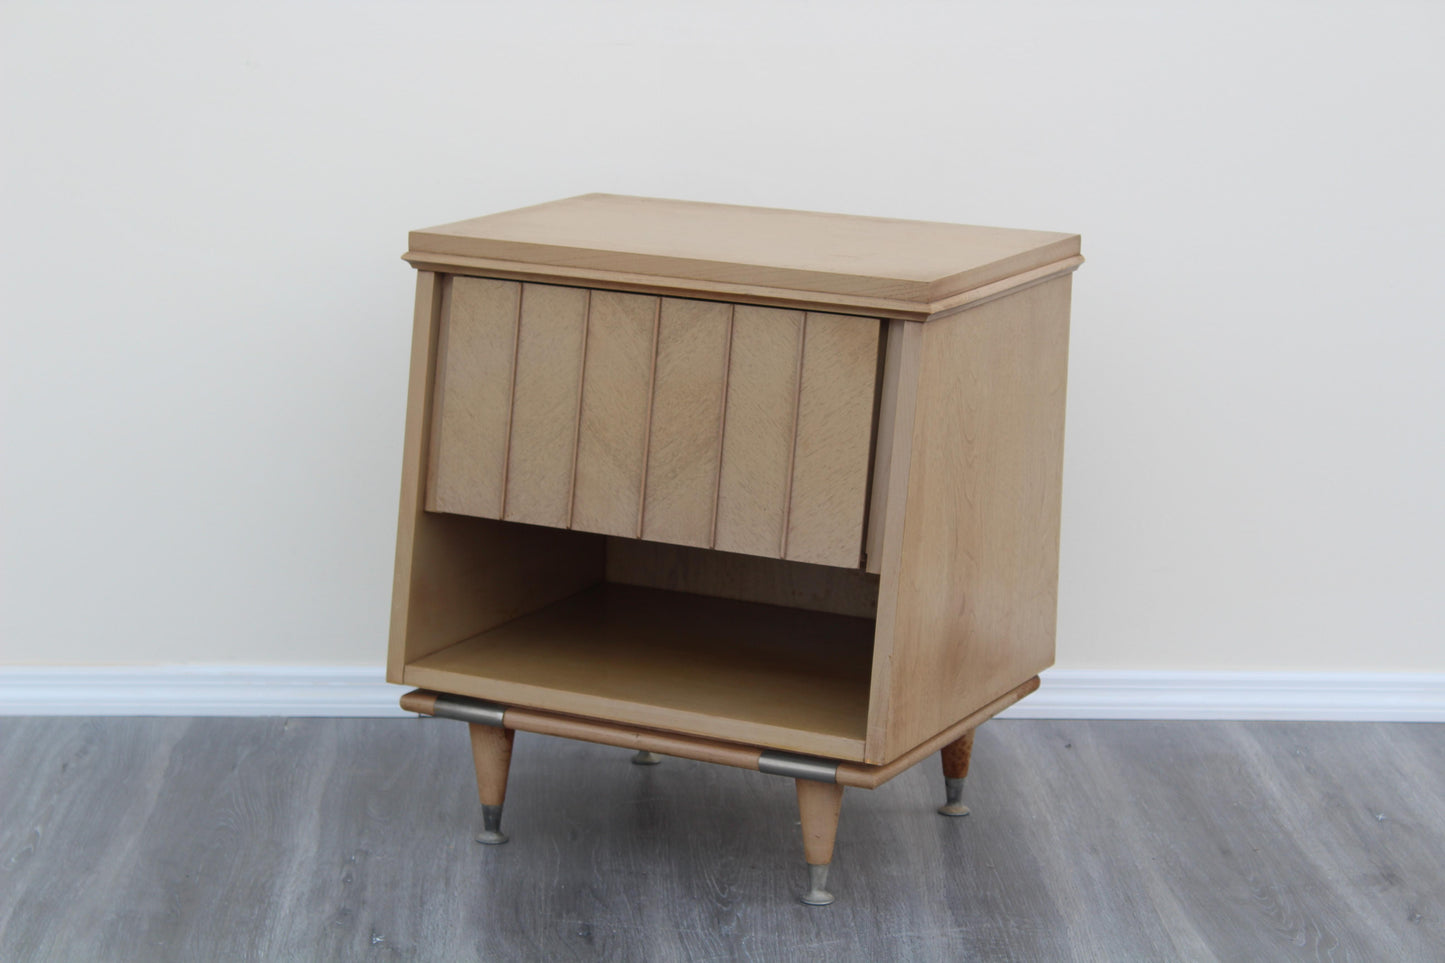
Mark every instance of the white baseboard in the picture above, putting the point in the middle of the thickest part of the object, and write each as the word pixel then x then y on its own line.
pixel 210 690
pixel 1321 696
pixel 273 690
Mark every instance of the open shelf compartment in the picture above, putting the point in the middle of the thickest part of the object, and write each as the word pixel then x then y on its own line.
pixel 766 675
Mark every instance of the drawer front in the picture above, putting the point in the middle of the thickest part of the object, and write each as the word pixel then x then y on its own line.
pixel 741 428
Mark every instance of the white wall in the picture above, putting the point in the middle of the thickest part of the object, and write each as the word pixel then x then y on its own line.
pixel 206 322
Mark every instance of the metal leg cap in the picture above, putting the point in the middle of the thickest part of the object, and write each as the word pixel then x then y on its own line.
pixel 953 788
pixel 491 834
pixel 816 894
pixel 645 758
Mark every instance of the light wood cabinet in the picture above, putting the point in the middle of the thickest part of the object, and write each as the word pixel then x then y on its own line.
pixel 765 488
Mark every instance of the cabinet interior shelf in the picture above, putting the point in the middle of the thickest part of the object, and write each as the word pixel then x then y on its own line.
pixel 746 672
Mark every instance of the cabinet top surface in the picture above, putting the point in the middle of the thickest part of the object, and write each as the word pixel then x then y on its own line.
pixel 701 243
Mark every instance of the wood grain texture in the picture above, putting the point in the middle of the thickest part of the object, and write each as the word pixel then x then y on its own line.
pixel 758 435
pixel 750 578
pixel 419 701
pixel 473 396
pixel 976 577
pixel 897 448
pixel 492 759
pixel 912 261
pixel 413 526
pixel 616 400
pixel 467 574
pixel 818 806
pixel 349 839
pixel 454 575
pixel 827 498
pixel 717 668
pixel 956 755
pixel 543 438
pixel 687 421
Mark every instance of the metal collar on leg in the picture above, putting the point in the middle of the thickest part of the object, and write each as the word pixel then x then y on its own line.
pixel 797 767
pixel 469 710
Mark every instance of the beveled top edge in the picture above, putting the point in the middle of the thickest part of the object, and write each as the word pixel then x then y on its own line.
pixel 691 243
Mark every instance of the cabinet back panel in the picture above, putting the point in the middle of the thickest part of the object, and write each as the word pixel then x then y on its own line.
pixel 749 578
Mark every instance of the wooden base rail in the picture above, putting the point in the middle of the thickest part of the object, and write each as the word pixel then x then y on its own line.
pixel 860 775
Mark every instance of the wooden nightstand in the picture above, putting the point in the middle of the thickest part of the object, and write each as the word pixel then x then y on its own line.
pixel 766 488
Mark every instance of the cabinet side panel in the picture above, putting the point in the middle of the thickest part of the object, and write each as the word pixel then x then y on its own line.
pixel 687 404
pixel 757 449
pixel 896 450
pixel 976 581
pixel 544 405
pixel 473 397
pixel 835 433
pixel 612 427
pixel 456 576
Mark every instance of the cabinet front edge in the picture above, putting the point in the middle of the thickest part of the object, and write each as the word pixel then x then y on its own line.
pixel 795 299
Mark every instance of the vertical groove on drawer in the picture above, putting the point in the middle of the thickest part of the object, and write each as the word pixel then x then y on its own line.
pixel 647 425
pixel 722 425
pixel 512 398
pixel 544 402
pixel 436 500
pixel 886 428
pixel 476 332
pixel 577 422
pixel 683 438
pixel 793 448
pixel 762 397
pixel 834 434
pixel 613 418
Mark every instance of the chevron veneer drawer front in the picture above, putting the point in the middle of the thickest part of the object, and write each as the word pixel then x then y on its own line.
pixel 730 426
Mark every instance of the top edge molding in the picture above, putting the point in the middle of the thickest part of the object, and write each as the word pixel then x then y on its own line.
pixel 864 265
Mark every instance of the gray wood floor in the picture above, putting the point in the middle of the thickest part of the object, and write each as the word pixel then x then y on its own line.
pixel 320 839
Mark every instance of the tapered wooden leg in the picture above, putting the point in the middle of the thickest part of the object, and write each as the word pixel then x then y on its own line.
pixel 956 757
pixel 818 805
pixel 492 754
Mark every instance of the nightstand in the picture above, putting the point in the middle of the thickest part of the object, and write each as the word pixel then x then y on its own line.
pixel 764 488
